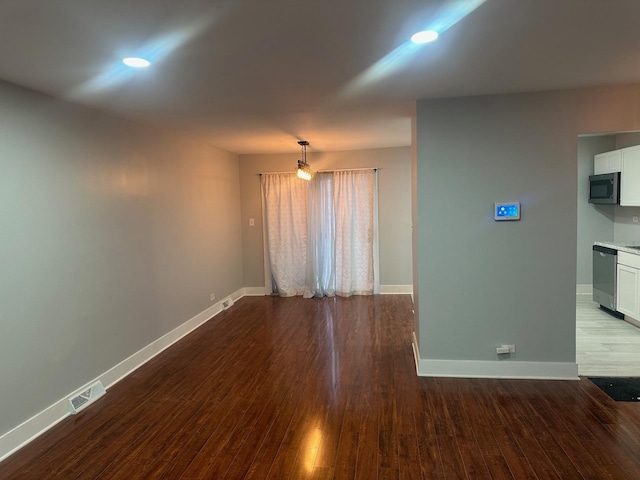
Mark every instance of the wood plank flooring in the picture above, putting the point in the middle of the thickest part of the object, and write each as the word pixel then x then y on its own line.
pixel 605 345
pixel 292 388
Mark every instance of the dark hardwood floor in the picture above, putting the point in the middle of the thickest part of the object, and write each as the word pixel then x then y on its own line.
pixel 326 388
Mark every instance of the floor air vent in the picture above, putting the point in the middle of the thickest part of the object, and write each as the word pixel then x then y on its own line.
pixel 226 303
pixel 85 398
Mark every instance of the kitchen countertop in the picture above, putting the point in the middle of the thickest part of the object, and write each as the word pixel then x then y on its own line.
pixel 621 246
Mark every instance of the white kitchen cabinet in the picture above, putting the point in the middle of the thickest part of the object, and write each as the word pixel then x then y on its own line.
pixel 607 162
pixel 628 285
pixel 630 177
pixel 627 292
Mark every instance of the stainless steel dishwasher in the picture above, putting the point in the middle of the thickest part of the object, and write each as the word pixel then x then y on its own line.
pixel 605 261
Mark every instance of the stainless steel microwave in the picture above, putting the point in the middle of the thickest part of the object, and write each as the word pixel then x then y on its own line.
pixel 605 188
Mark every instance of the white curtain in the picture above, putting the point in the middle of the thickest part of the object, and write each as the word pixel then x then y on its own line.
pixel 285 215
pixel 354 194
pixel 321 232
pixel 321 235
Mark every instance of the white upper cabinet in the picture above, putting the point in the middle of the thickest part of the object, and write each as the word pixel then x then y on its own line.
pixel 630 177
pixel 607 162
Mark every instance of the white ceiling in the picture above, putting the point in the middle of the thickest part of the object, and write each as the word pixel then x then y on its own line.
pixel 254 76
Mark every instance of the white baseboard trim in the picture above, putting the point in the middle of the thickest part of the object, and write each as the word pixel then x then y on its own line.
pixel 416 353
pixel 396 289
pixel 254 291
pixel 29 430
pixel 584 289
pixel 493 369
pixel 632 321
pixel 32 428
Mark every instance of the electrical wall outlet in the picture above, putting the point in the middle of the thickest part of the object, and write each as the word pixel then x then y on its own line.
pixel 212 297
pixel 635 219
pixel 506 349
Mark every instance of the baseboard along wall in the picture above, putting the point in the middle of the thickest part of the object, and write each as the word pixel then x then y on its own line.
pixel 384 290
pixel 493 369
pixel 32 428
pixel 254 291
pixel 584 289
pixel 396 289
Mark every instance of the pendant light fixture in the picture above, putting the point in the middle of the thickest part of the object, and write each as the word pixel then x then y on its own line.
pixel 304 170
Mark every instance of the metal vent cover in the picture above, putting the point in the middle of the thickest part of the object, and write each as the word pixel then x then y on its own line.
pixel 83 399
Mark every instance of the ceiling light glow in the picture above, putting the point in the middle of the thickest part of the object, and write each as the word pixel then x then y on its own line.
pixel 425 36
pixel 393 62
pixel 136 62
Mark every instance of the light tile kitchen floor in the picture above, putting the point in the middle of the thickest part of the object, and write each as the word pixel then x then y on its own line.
pixel 605 346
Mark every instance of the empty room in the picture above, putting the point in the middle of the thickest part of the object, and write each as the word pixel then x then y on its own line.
pixel 320 240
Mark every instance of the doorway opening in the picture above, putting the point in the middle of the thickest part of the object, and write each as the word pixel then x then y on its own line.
pixel 606 345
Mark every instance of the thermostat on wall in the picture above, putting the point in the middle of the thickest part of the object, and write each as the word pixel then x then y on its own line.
pixel 506 211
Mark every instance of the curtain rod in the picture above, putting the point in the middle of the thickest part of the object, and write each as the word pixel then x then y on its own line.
pixel 375 169
pixel 349 169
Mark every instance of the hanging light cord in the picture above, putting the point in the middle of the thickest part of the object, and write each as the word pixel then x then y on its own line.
pixel 303 144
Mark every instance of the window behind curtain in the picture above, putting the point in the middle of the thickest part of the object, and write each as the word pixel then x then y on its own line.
pixel 321 235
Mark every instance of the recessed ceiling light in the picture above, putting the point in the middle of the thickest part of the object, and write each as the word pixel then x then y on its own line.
pixel 425 36
pixel 136 62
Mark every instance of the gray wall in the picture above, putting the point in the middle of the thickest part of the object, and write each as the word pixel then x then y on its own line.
pixel 625 229
pixel 394 187
pixel 112 235
pixel 414 221
pixel 629 139
pixel 595 222
pixel 483 283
